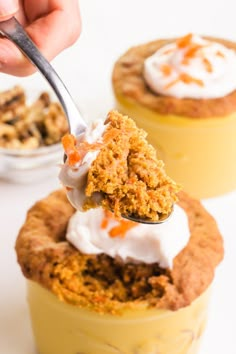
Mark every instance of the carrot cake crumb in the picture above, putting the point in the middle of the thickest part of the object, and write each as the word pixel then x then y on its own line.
pixel 126 173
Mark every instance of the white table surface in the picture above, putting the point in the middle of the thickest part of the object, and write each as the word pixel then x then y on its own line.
pixel 109 28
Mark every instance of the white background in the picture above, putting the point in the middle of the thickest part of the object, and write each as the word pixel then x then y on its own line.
pixel 109 28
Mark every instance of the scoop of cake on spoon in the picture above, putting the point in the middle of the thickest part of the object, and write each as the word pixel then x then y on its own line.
pixel 13 30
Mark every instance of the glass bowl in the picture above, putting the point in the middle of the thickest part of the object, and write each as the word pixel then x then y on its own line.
pixel 25 166
pixel 30 165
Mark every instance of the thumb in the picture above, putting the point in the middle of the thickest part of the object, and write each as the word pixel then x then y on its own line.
pixel 8 8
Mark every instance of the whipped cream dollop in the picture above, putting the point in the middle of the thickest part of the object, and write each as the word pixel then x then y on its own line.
pixel 141 243
pixel 192 67
pixel 74 177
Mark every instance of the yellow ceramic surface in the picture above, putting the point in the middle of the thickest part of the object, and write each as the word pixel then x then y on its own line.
pixel 60 328
pixel 199 153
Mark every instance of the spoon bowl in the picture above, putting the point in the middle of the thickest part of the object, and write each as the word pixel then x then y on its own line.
pixel 162 218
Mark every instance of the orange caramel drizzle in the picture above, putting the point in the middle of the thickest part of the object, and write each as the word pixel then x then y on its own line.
pixel 191 51
pixel 168 51
pixel 69 145
pixel 75 153
pixel 119 230
pixel 187 79
pixel 185 41
pixel 220 54
pixel 105 220
pixel 166 69
pixel 207 65
pixel 69 189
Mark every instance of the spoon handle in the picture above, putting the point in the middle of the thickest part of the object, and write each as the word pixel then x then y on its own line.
pixel 13 30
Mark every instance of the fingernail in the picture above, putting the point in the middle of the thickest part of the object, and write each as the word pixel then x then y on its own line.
pixel 8 8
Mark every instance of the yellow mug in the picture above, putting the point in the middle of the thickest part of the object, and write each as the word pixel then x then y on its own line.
pixel 199 153
pixel 61 328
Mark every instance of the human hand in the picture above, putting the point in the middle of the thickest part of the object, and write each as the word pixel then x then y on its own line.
pixel 53 25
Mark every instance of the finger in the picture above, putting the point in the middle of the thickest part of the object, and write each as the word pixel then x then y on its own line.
pixel 63 16
pixel 53 18
pixel 42 8
pixel 51 34
pixel 8 8
pixel 55 32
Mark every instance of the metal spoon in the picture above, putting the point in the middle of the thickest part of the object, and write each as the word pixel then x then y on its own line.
pixel 13 30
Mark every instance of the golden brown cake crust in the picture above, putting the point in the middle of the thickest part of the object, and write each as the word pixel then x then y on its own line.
pixel 104 284
pixel 129 83
pixel 120 173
